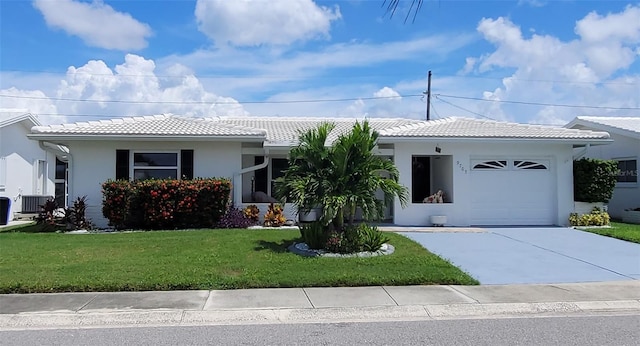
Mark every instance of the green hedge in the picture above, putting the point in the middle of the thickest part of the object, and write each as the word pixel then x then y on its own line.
pixel 594 180
pixel 165 204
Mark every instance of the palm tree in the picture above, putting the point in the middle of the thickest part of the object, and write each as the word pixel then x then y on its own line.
pixel 340 178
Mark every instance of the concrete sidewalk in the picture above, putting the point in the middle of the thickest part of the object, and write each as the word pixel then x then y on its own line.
pixel 315 304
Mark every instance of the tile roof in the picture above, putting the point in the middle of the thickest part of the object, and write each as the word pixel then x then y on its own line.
pixel 166 124
pixel 283 131
pixel 631 124
pixel 477 128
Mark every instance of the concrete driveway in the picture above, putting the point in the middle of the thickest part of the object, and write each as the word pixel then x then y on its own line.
pixel 535 255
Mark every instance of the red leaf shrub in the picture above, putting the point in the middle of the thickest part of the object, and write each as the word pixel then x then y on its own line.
pixel 166 203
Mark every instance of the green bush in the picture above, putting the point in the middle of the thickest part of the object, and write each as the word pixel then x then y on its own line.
pixel 596 217
pixel 165 203
pixel 313 235
pixel 594 180
pixel 355 238
pixel 371 238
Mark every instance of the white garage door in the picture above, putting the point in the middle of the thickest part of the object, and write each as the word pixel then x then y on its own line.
pixel 512 192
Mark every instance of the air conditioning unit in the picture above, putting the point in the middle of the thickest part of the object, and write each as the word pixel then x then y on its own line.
pixel 33 203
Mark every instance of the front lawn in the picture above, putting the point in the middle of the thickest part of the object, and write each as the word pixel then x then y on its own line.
pixel 203 259
pixel 624 231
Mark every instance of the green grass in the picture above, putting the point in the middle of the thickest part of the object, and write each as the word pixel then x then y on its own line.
pixel 202 259
pixel 624 231
pixel 25 227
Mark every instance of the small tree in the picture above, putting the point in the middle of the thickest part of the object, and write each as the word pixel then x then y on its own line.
pixel 594 180
pixel 340 178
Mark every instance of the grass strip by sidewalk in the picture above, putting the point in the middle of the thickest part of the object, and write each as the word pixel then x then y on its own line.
pixel 202 259
pixel 619 230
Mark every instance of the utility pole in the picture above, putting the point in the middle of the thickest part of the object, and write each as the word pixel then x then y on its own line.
pixel 428 93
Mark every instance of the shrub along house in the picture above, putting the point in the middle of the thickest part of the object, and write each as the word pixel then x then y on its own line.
pixel 625 132
pixel 490 173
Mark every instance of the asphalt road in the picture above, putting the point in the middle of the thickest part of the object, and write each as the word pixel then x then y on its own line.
pixel 584 330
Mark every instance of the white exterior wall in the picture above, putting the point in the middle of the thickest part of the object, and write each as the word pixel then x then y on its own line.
pixel 94 162
pixel 625 195
pixel 559 155
pixel 20 154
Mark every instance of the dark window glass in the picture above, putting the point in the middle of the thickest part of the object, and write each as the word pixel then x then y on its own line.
pixel 144 174
pixel 155 159
pixel 60 194
pixel 627 171
pixel 278 166
pixel 61 168
pixel 260 180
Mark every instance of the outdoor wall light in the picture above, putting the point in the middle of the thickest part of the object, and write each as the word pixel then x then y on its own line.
pixel 438 149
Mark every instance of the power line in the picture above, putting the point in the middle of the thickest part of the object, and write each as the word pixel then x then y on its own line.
pixel 435 111
pixel 538 103
pixel 208 102
pixel 464 109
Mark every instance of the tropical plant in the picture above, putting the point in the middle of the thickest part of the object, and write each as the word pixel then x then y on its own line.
pixel 313 235
pixel 340 178
pixel 274 216
pixel 235 218
pixel 594 180
pixel 252 212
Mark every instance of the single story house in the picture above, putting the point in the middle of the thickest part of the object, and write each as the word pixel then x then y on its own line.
pixel 28 171
pixel 491 173
pixel 625 132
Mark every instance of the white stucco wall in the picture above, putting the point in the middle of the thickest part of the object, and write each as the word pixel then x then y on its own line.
pixel 625 195
pixel 559 155
pixel 20 154
pixel 93 162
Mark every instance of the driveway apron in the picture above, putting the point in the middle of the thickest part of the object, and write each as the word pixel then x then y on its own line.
pixel 530 255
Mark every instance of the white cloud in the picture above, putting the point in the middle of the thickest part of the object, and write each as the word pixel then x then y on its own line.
pixel 96 23
pixel 35 101
pixel 388 93
pixel 624 26
pixel 133 85
pixel 582 71
pixel 254 23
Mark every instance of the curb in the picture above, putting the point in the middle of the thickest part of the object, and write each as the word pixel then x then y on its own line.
pixel 122 318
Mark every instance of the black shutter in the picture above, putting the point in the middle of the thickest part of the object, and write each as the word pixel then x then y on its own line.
pixel 122 164
pixel 186 164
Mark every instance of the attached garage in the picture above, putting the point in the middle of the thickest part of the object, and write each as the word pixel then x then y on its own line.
pixel 513 191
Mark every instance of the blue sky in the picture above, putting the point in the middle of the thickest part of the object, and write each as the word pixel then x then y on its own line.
pixel 529 61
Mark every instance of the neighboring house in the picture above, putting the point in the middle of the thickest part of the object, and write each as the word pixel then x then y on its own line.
pixel 625 132
pixel 27 171
pixel 491 173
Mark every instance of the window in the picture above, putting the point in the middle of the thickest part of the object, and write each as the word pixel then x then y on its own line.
pixel 495 164
pixel 60 183
pixel 519 164
pixel 262 179
pixel 627 171
pixel 155 166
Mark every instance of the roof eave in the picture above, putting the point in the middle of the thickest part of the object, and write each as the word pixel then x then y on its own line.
pixel 392 139
pixel 603 127
pixel 112 137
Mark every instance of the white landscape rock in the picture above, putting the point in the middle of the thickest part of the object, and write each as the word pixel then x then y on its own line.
pixel 303 249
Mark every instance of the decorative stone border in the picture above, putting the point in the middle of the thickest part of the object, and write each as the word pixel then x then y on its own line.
pixel 303 249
